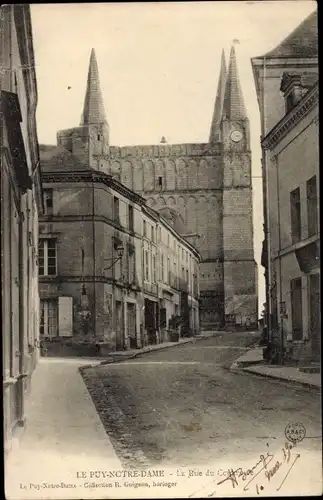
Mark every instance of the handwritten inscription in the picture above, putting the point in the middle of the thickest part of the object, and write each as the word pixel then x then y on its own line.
pixel 268 466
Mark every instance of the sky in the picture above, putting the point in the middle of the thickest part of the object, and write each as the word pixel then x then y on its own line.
pixel 159 65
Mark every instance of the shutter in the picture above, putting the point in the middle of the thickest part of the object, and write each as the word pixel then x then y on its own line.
pixel 65 316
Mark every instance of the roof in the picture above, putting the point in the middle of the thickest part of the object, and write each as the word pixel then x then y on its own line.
pixel 233 103
pixel 218 106
pixel 93 111
pixel 301 43
pixel 173 218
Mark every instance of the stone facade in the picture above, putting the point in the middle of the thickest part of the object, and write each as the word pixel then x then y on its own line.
pixel 88 294
pixel 204 190
pixel 21 201
pixel 286 82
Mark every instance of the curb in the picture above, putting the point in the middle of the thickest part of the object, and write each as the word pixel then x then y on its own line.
pixel 236 369
pixel 121 358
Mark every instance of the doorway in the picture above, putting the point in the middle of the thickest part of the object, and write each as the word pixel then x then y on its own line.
pixel 119 327
pixel 131 325
pixel 150 321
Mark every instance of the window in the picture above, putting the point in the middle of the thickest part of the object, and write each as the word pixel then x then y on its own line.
pixel 131 264
pixel 48 318
pixel 168 240
pixel 187 279
pixel 311 192
pixel 48 201
pixel 116 215
pixel 295 206
pixel 160 181
pixel 168 272
pixel 145 229
pixel 175 275
pixel 289 102
pixel 297 313
pixel 146 265
pixel 154 269
pixel 99 137
pixel 47 257
pixel 162 268
pixel 130 216
pixel 153 234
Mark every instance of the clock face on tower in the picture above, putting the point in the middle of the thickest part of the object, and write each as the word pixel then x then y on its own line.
pixel 236 136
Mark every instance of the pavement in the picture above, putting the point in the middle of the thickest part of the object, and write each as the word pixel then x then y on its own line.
pixel 63 436
pixel 252 362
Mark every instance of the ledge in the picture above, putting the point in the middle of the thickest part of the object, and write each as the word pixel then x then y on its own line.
pixel 291 119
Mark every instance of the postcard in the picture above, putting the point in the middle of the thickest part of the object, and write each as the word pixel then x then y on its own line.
pixel 160 250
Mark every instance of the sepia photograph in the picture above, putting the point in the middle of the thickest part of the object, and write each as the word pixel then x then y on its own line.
pixel 160 250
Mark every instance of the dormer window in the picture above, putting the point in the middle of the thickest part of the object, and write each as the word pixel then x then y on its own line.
pixel 294 86
pixel 289 102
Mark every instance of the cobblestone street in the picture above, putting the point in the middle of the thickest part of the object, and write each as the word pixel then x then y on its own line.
pixel 182 406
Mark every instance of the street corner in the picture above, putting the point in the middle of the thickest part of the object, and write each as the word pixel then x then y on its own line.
pixel 235 367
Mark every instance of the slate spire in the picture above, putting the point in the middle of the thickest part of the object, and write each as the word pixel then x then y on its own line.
pixel 93 110
pixel 233 104
pixel 217 113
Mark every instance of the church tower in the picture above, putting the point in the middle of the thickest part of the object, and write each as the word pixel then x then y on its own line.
pixel 90 141
pixel 202 189
pixel 239 267
pixel 218 107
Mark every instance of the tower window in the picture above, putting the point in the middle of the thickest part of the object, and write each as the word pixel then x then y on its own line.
pixel 48 201
pixel 99 137
pixel 160 181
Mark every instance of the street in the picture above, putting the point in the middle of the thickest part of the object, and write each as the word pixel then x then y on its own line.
pixel 182 406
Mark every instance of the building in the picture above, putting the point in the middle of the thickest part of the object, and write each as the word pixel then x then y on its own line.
pixel 287 89
pixel 112 271
pixel 204 190
pixel 21 201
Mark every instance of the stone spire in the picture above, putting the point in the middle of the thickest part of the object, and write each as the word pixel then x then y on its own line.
pixel 93 111
pixel 217 113
pixel 233 104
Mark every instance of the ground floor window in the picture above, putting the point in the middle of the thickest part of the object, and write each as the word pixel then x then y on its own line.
pixel 48 318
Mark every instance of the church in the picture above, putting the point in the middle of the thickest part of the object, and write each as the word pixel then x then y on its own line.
pixel 204 191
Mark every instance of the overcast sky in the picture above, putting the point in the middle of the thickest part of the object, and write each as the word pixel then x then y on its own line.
pixel 159 66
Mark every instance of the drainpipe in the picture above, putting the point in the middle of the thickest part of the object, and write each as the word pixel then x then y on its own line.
pixel 280 266
pixel 21 347
pixel 266 211
pixel 94 257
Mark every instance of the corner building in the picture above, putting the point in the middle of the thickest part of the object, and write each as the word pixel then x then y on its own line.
pixel 286 81
pixel 112 271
